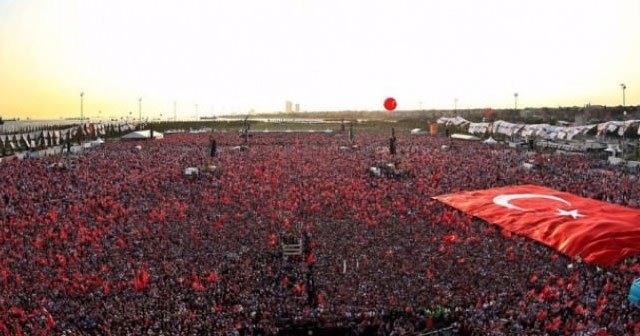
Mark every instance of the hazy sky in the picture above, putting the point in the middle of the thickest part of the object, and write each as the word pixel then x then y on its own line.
pixel 236 55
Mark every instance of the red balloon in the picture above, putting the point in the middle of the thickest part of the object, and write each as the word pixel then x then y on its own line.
pixel 390 104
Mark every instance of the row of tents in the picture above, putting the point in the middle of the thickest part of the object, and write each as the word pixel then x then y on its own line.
pixel 542 131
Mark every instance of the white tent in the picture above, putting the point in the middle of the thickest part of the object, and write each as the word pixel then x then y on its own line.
pixel 490 141
pixel 145 134
pixel 464 137
pixel 97 142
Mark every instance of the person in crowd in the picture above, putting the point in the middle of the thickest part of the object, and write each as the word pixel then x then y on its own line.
pixel 392 142
pixel 213 146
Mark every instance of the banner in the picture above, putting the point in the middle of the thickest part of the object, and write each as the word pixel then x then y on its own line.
pixel 478 128
pixel 598 232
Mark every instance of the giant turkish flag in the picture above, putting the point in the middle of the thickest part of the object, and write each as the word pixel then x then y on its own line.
pixel 598 232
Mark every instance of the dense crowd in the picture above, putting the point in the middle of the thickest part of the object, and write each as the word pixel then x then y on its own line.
pixel 117 241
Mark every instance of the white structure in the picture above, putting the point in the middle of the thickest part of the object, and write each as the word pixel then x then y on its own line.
pixel 191 171
pixel 140 135
pixel 490 141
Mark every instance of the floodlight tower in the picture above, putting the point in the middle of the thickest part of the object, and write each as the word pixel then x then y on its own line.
pixel 81 106
pixel 515 97
pixel 624 130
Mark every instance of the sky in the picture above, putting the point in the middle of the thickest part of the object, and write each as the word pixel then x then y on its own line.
pixel 215 57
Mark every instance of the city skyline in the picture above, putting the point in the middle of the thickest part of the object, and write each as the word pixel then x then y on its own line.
pixel 246 55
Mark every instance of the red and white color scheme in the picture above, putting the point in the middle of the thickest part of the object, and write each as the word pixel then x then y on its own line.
pixel 600 233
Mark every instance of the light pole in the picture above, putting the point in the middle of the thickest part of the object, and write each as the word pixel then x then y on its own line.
pixel 140 109
pixel 455 105
pixel 197 116
pixel 81 106
pixel 624 87
pixel 515 97
pixel 175 109
pixel 624 129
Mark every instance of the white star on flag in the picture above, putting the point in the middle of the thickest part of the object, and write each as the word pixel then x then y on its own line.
pixel 573 213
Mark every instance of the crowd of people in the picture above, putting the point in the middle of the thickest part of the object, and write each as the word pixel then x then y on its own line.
pixel 117 241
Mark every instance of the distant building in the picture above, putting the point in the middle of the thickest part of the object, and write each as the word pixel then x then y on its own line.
pixel 297 108
pixel 595 107
pixel 288 108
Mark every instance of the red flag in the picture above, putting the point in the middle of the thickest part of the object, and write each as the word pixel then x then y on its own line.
pixel 602 301
pixel 311 259
pixel 196 284
pixel 52 215
pixel 50 321
pixel 299 288
pixel 598 232
pixel 451 238
pixel 141 280
pixel 554 324
pixel 18 313
pixel 545 293
pixel 541 316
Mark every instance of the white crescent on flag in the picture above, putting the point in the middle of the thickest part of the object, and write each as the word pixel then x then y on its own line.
pixel 504 200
